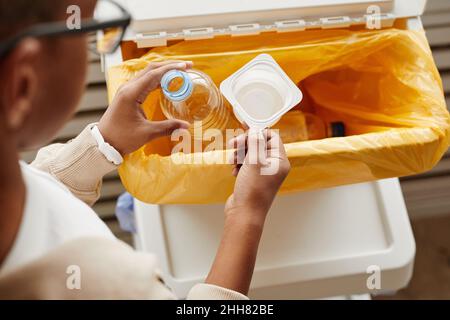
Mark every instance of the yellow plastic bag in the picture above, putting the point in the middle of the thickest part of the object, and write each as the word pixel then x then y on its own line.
pixel 382 84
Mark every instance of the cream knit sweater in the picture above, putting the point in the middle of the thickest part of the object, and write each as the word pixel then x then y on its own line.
pixel 110 268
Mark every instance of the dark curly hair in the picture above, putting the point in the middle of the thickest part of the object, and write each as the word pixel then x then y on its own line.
pixel 18 14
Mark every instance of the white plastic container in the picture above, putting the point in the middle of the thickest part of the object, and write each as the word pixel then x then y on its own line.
pixel 260 92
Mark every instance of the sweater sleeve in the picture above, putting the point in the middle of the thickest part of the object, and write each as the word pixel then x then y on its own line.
pixel 97 268
pixel 204 291
pixel 78 164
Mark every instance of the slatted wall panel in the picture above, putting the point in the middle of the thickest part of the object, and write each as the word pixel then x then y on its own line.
pixel 428 194
pixel 425 194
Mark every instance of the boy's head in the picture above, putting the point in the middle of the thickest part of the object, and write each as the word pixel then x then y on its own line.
pixel 41 79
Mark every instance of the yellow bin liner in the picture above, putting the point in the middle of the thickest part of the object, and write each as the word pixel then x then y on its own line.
pixel 382 84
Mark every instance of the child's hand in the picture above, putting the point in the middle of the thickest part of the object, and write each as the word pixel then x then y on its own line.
pixel 261 165
pixel 124 125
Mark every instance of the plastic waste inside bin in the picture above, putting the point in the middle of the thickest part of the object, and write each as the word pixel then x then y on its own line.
pixel 383 84
pixel 301 126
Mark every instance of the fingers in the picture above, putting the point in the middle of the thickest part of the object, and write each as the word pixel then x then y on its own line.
pixel 250 146
pixel 235 171
pixel 238 142
pixel 158 129
pixel 256 147
pixel 237 157
pixel 149 79
pixel 155 65
pixel 152 78
pixel 264 143
pixel 271 137
pixel 275 146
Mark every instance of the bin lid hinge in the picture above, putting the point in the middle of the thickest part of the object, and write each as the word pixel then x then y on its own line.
pixel 371 21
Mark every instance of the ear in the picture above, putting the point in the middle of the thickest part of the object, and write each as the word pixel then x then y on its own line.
pixel 19 78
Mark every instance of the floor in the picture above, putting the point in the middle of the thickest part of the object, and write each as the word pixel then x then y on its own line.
pixel 431 278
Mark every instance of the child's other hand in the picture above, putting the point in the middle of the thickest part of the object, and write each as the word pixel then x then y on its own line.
pixel 124 125
pixel 261 165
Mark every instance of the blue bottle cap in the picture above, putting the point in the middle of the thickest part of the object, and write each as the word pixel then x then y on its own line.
pixel 182 93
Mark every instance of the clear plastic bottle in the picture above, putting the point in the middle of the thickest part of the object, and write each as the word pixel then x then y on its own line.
pixel 192 96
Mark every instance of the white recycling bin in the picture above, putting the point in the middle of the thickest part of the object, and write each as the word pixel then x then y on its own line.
pixel 340 241
pixel 344 240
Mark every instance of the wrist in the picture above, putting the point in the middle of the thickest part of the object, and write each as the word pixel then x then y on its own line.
pixel 110 152
pixel 108 136
pixel 251 218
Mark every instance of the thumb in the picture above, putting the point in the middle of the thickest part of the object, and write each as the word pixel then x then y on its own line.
pixel 256 147
pixel 165 128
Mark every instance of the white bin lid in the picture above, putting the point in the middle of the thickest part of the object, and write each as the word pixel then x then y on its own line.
pixel 181 15
pixel 315 244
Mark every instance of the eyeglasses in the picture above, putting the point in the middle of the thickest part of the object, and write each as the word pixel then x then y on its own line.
pixel 110 20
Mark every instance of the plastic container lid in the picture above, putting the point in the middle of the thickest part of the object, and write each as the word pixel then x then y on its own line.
pixel 260 92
